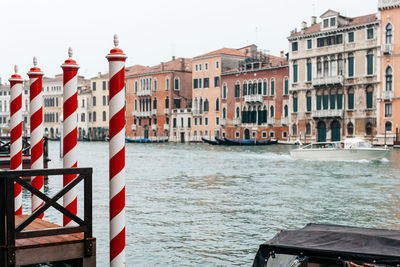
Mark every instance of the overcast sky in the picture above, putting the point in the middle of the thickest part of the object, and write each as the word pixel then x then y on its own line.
pixel 150 31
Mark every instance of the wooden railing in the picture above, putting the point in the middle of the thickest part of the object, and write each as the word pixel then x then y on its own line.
pixel 9 232
pixel 26 147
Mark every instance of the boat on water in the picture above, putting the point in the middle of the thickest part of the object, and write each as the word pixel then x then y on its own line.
pixel 145 140
pixel 350 149
pixel 211 142
pixel 320 245
pixel 250 142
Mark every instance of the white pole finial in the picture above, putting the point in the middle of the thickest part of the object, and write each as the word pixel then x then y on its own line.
pixel 116 40
pixel 70 52
pixel 34 61
pixel 16 69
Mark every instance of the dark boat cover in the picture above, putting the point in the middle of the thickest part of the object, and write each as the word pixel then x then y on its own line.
pixel 356 244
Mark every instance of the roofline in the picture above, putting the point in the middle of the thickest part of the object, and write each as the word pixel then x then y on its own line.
pixel 217 55
pixel 254 70
pixel 320 33
pixel 155 73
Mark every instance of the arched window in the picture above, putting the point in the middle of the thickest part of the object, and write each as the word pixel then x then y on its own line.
pixel 370 62
pixel 237 89
pixel 295 102
pixel 286 85
pixel 389 79
pixel 389 33
pixel 255 86
pixel 201 105
pixel 104 116
pixel 286 111
pixel 244 115
pixel 265 114
pixel 368 128
pixel 167 102
pixel 167 84
pixel 155 85
pixel 388 126
pixel 272 111
pixel 224 91
pixel 83 117
pixel 176 84
pixel 350 129
pixel 244 88
pixel 308 129
pixel 265 87
pixel 259 87
pixel 155 103
pixel 250 88
pixel 206 106
pixel 272 88
pixel 308 98
pixel 237 112
pixel 217 104
pixel 369 96
pixel 224 113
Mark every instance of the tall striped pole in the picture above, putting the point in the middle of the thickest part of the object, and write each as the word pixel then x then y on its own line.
pixel 36 119
pixel 16 133
pixel 70 134
pixel 116 59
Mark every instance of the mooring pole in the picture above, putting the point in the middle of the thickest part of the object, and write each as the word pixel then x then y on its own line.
pixel 116 59
pixel 36 119
pixel 70 133
pixel 16 133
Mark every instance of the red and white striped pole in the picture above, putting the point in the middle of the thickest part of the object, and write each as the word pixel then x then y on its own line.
pixel 36 119
pixel 16 133
pixel 70 134
pixel 116 59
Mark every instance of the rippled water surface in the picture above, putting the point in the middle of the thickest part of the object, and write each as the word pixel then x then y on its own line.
pixel 197 204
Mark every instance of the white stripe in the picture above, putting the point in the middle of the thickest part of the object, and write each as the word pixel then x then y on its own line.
pixel 119 261
pixel 16 119
pixel 115 67
pixel 70 158
pixel 18 202
pixel 117 224
pixel 36 135
pixel 69 124
pixel 16 147
pixel 36 104
pixel 70 196
pixel 70 88
pixel 117 183
pixel 38 164
pixel 117 103
pixel 117 143
pixel 32 80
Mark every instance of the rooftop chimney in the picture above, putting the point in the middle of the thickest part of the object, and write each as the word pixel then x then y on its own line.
pixel 313 20
pixel 99 74
pixel 182 64
pixel 162 66
pixel 303 25
pixel 282 53
pixel 173 57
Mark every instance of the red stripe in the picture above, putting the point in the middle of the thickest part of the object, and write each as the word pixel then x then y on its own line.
pixel 16 161
pixel 18 211
pixel 35 88
pixel 117 163
pixel 117 244
pixel 16 104
pixel 69 74
pixel 72 207
pixel 117 82
pixel 70 105
pixel 36 119
pixel 37 151
pixel 117 203
pixel 16 133
pixel 70 141
pixel 117 123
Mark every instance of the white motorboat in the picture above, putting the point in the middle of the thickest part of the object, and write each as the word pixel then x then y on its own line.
pixel 350 149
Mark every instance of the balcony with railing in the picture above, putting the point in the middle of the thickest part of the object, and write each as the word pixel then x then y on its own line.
pixel 328 113
pixel 133 127
pixel 387 48
pixel 387 95
pixel 271 121
pixel 324 81
pixel 253 98
pixel 154 112
pixel 223 122
pixel 285 121
pixel 166 111
pixel 143 93
pixel 236 121
pixel 166 127
pixel 196 113
pixel 154 127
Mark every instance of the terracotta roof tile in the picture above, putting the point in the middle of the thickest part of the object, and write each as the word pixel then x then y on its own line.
pixel 224 51
pixel 178 64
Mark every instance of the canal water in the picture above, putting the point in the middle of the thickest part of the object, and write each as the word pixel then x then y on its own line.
pixel 190 205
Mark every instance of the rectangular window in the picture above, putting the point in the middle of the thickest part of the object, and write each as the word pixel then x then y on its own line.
pixel 195 83
pixel 309 44
pixel 104 85
pixel 286 86
pixel 94 86
pixel 167 84
pixel 272 91
pixel 174 123
pixel 217 121
pixel 206 83
pixel 333 101
pixel 104 100
pixel 319 102
pixel 200 83
pixel 176 85
pixel 388 110
pixel 309 71
pixel 351 66
pixel 189 123
pixel 206 66
pixel 333 22
pixel 351 37
pixel 217 65
pixel 197 67
pixel 308 103
pixel 339 101
pixel 325 101
pixel 295 104
pixel 370 34
pixel 326 23
pixel 295 46
pixel 351 101
pixel 370 64
pixel 369 100
pixel 200 121
pixel 320 42
pixel 295 78
pixel 216 81
pixel 206 121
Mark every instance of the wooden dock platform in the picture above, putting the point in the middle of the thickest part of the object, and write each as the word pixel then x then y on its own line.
pixel 26 239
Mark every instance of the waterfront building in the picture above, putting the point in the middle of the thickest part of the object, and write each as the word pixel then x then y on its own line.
pixel 255 99
pixel 98 107
pixel 84 98
pixel 207 93
pixel 151 95
pixel 389 94
pixel 180 126
pixel 334 78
